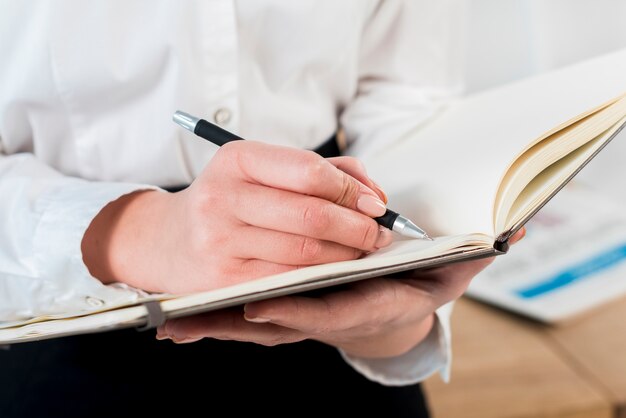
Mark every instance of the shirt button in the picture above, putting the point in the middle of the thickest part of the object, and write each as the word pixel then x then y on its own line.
pixel 222 116
pixel 94 302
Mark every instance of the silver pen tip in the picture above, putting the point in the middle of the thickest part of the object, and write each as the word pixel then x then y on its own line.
pixel 185 120
pixel 405 227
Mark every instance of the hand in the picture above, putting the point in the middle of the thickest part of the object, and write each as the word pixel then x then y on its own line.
pixel 255 210
pixel 374 318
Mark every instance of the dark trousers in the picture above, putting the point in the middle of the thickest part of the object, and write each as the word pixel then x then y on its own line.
pixel 126 372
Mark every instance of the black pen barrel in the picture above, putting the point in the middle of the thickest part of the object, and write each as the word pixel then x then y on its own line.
pixel 214 133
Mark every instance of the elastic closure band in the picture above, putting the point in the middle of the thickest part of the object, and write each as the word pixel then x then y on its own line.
pixel 156 316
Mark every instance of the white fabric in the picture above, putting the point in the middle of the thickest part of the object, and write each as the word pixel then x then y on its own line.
pixel 87 91
pixel 433 354
pixel 512 39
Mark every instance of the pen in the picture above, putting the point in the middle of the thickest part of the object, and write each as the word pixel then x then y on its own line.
pixel 213 133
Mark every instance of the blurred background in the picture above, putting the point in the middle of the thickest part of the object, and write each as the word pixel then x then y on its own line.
pixel 507 365
pixel 512 39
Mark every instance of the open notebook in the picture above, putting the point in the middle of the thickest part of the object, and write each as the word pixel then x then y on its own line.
pixel 471 176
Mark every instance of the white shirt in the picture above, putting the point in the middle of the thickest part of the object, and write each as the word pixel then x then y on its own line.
pixel 87 91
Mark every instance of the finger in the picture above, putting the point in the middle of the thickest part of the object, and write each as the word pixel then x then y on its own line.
pixel 518 236
pixel 308 315
pixel 308 216
pixel 372 303
pixel 285 248
pixel 460 273
pixel 469 269
pixel 356 169
pixel 227 325
pixel 456 272
pixel 299 171
pixel 445 283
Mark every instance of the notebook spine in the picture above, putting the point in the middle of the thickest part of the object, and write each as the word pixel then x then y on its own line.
pixel 501 246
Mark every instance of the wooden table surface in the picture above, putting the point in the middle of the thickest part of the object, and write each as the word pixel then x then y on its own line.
pixel 508 366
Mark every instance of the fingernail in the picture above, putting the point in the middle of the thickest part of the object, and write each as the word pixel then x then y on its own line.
pixel 186 340
pixel 380 192
pixel 370 205
pixel 256 319
pixel 161 334
pixel 385 237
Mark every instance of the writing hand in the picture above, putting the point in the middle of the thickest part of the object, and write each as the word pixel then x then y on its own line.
pixel 256 210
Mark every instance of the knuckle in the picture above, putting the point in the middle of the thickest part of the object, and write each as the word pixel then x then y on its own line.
pixel 369 235
pixel 325 327
pixel 371 329
pixel 385 299
pixel 225 273
pixel 377 296
pixel 355 163
pixel 321 329
pixel 310 250
pixel 227 152
pixel 232 157
pixel 206 196
pixel 314 168
pixel 315 219
pixel 232 147
pixel 349 192
pixel 206 200
pixel 276 338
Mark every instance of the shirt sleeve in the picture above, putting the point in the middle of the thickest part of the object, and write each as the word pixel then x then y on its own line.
pixel 410 65
pixel 431 355
pixel 43 217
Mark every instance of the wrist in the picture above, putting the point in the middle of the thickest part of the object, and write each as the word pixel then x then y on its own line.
pixel 121 236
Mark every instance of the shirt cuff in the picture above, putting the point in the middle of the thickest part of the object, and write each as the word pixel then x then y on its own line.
pixel 64 283
pixel 431 355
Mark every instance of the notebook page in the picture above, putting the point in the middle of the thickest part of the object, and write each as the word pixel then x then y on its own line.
pixel 445 174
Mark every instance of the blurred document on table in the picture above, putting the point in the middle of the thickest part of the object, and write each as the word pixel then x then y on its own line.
pixel 572 259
